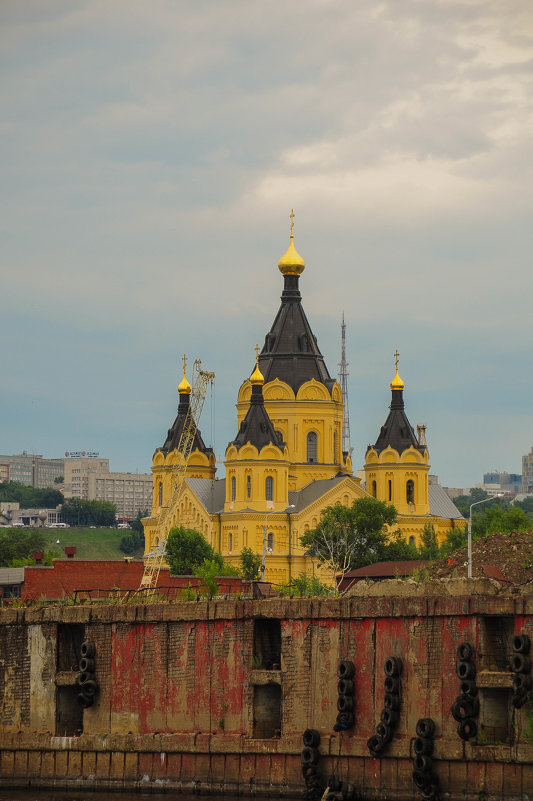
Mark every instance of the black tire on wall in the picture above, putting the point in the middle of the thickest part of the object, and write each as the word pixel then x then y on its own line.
pixel 86 665
pixel 375 745
pixel 467 729
pixel 466 670
pixel 465 652
pixel 521 644
pixel 422 745
pixel 88 650
pixel 346 669
pixel 520 663
pixel 311 738
pixel 425 727
pixel 393 666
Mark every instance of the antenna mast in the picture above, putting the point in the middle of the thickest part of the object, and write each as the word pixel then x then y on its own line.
pixel 343 375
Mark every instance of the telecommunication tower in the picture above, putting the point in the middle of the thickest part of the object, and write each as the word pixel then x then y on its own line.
pixel 343 375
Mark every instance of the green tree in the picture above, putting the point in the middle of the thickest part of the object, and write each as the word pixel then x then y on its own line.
pixel 250 564
pixel 75 512
pixel 80 512
pixel 30 497
pixel 463 502
pixel 207 572
pixel 136 525
pixel 102 513
pixel 306 587
pixel 350 537
pixel 526 505
pixel 430 546
pixel 17 545
pixel 186 550
pixel 397 549
pixel 454 541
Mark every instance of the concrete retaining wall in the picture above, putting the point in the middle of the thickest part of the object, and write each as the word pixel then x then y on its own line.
pixel 215 695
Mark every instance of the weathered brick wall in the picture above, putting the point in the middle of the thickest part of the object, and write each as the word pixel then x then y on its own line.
pixel 14 678
pixel 67 576
pixel 177 687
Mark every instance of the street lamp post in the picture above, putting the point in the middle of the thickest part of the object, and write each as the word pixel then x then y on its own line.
pixel 469 556
pixel 263 560
pixel 288 512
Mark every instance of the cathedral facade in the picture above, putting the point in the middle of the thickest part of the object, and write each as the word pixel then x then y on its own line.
pixel 286 462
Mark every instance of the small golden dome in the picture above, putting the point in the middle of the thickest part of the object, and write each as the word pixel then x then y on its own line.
pixel 184 388
pixel 397 382
pixel 257 376
pixel 291 263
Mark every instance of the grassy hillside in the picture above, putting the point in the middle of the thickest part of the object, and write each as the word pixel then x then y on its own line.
pixel 91 543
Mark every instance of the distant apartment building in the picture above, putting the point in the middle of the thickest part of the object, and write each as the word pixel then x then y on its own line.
pixel 130 492
pixel 77 470
pixel 31 469
pixel 89 478
pixel 496 482
pixel 527 472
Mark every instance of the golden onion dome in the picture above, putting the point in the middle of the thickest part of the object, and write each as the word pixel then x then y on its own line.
pixel 257 376
pixel 184 388
pixel 291 263
pixel 396 382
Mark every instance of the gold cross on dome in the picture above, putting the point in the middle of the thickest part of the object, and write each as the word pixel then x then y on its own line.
pixel 396 357
pixel 184 363
pixel 291 215
pixel 256 354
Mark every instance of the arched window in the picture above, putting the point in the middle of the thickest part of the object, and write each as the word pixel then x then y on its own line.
pixel 269 488
pixel 160 494
pixel 411 540
pixel 390 490
pixel 233 488
pixel 374 490
pixel 248 486
pixel 312 443
pixel 410 491
pixel 270 542
pixel 230 542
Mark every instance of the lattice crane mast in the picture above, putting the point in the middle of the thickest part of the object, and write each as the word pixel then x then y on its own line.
pixel 153 562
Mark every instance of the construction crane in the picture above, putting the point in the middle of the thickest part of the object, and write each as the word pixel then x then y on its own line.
pixel 154 559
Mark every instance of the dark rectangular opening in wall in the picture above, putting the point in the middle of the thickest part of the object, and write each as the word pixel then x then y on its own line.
pixel 495 643
pixel 267 711
pixel 69 639
pixel 69 714
pixel 267 644
pixel 495 718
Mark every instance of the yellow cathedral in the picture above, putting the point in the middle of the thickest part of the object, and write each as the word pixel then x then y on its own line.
pixel 286 462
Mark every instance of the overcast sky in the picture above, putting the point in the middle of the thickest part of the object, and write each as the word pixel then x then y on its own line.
pixel 150 155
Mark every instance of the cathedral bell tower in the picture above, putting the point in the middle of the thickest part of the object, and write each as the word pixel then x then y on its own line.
pixel 302 400
pixel 256 462
pixel 397 465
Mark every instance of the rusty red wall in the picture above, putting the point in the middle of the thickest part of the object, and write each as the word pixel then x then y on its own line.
pixel 176 702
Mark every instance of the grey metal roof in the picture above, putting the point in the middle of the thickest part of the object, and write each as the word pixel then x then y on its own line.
pixel 441 505
pixel 311 492
pixel 11 575
pixel 211 494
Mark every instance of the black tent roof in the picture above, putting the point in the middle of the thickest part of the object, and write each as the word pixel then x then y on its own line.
pixel 257 427
pixel 397 431
pixel 291 352
pixel 174 433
